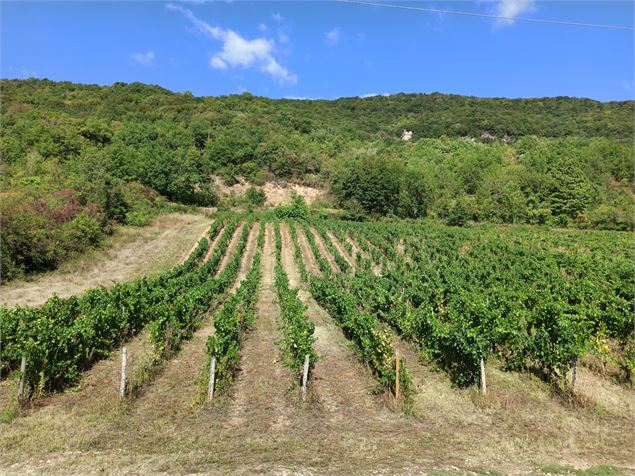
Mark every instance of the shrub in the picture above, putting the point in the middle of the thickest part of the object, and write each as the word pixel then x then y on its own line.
pixel 139 217
pixel 255 196
pixel 81 232
pixel 297 209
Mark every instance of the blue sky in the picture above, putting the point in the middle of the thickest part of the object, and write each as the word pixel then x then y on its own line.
pixel 325 49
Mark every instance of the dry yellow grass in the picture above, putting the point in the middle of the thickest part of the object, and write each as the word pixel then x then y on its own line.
pixel 129 253
pixel 520 427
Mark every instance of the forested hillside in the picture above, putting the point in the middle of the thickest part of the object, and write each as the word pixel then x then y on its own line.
pixel 77 158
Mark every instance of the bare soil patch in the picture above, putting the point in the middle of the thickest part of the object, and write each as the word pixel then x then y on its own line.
pixel 337 367
pixel 261 399
pixel 276 192
pixel 213 246
pixel 309 258
pixel 129 253
pixel 324 251
pixel 231 248
pixel 340 249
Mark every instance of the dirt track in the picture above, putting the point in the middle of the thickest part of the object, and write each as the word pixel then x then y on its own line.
pixel 337 367
pixel 261 401
pixel 324 251
pixel 131 252
pixel 340 249
pixel 183 371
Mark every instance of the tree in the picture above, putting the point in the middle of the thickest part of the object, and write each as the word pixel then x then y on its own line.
pixel 570 193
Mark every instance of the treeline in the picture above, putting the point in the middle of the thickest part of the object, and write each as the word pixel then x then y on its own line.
pixel 560 182
pixel 76 158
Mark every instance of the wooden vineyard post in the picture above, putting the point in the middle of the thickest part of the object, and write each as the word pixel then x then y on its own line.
pixel 397 382
pixel 305 374
pixel 124 380
pixel 22 385
pixel 483 381
pixel 574 364
pixel 212 372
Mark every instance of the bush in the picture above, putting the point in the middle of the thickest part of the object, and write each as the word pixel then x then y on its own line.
pixel 609 217
pixel 462 211
pixel 255 196
pixel 80 233
pixel 139 217
pixel 297 210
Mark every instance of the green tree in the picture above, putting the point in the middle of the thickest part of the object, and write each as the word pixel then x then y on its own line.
pixel 570 193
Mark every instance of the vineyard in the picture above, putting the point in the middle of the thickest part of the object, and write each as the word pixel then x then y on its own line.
pixel 429 341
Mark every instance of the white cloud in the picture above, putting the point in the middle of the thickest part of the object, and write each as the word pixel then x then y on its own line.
pixel 283 38
pixel 143 58
pixel 333 36
pixel 238 51
pixel 263 28
pixel 371 95
pixel 23 73
pixel 277 17
pixel 302 98
pixel 512 9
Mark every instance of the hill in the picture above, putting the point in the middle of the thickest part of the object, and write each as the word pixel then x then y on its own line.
pixel 77 158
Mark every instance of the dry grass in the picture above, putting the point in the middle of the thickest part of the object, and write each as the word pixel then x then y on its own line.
pixel 129 253
pixel 522 426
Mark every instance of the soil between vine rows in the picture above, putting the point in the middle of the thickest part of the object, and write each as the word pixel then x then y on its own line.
pixel 259 427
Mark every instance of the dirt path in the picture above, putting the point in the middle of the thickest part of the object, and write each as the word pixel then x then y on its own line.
pixel 231 247
pixel 309 258
pixel 248 257
pixel 213 246
pixel 261 401
pixel 185 255
pixel 337 367
pixel 176 388
pixel 340 249
pixel 324 251
pixel 131 252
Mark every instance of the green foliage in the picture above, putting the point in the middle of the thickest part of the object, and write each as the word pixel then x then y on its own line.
pixel 373 183
pixel 233 319
pixel 296 210
pixel 255 196
pixel 545 181
pixel 371 341
pixel 43 225
pixel 570 193
pixel 558 161
pixel 65 336
pixel 527 296
pixel 297 330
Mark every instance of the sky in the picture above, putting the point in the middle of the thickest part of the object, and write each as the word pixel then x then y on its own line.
pixel 325 49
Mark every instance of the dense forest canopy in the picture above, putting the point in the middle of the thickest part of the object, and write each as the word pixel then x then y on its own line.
pixel 77 158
